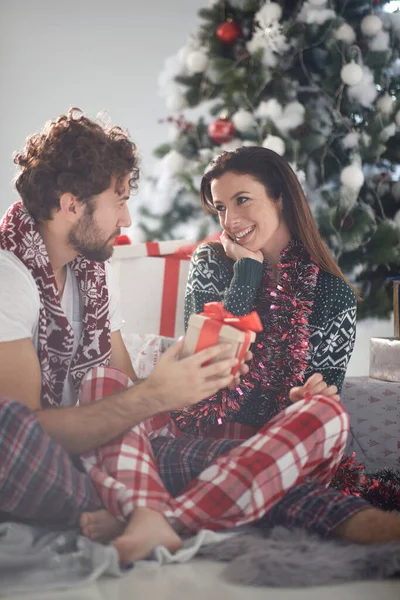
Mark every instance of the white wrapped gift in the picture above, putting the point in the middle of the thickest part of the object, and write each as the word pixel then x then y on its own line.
pixel 384 362
pixel 152 279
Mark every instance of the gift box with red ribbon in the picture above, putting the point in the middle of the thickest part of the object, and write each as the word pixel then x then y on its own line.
pixel 152 279
pixel 216 325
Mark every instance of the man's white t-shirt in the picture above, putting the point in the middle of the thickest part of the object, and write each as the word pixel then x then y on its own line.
pixel 20 305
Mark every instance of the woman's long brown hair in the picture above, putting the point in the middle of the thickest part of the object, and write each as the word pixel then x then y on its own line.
pixel 279 181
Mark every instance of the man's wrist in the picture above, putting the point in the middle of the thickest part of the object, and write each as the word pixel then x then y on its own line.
pixel 148 395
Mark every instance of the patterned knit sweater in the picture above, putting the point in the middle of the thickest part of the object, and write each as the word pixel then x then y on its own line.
pixel 331 324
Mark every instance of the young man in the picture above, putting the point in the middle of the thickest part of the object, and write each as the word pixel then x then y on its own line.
pixel 60 317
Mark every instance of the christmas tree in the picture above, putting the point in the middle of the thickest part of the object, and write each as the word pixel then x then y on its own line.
pixel 318 82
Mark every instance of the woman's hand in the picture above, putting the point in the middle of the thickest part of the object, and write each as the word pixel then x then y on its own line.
pixel 314 385
pixel 236 251
pixel 243 370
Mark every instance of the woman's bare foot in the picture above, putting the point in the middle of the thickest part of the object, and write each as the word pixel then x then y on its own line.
pixel 100 526
pixel 370 526
pixel 146 530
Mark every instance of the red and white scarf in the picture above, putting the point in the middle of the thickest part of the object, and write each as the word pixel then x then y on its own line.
pixel 19 235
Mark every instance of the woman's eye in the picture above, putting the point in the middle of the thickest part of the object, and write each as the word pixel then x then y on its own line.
pixel 242 199
pixel 220 207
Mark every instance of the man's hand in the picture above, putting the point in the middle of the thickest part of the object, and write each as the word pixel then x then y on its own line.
pixel 176 383
pixel 314 385
pixel 236 251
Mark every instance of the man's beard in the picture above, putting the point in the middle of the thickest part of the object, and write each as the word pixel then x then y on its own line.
pixel 85 238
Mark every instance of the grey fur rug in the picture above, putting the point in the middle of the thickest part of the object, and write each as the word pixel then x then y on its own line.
pixel 299 559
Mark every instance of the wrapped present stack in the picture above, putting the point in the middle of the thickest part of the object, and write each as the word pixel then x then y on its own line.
pixel 152 279
pixel 384 360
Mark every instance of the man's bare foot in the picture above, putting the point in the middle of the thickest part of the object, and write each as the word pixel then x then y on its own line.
pixel 146 530
pixel 100 526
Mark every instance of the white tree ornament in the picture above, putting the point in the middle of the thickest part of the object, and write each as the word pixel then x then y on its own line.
pixel 311 13
pixel 197 61
pixel 268 34
pixel 269 109
pixel 351 140
pixel 351 74
pixel 345 33
pixel 365 92
pixel 243 120
pixel 352 177
pixel 370 25
pixel 385 105
pixel 271 11
pixel 380 43
pixel 176 101
pixel 284 118
pixel 275 143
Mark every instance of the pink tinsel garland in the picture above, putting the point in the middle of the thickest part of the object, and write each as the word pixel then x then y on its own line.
pixel 280 351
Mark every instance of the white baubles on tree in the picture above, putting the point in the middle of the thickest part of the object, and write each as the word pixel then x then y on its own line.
pixel 315 12
pixel 268 34
pixel 271 11
pixel 229 146
pixel 184 52
pixel 243 120
pixel 197 61
pixel 284 118
pixel 371 25
pixel 269 109
pixel 275 143
pixel 364 93
pixel 385 105
pixel 174 162
pixel 352 74
pixel 351 140
pixel 352 177
pixel 175 101
pixel 345 33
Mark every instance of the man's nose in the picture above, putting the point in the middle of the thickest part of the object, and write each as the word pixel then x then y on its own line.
pixel 125 217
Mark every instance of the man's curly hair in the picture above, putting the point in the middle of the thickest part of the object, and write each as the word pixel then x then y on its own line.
pixel 76 155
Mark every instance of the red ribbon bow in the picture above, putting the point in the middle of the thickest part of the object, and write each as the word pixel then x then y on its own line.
pixel 216 311
pixel 217 317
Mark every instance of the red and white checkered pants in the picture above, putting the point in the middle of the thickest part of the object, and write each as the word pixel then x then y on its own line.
pixel 306 440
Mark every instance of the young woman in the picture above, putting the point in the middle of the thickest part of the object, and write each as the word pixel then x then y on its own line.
pixel 271 259
pixel 285 425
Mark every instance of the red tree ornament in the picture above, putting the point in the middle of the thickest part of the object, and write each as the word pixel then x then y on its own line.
pixel 228 32
pixel 221 131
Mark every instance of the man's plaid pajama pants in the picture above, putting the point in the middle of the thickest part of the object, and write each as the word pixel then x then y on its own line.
pixel 302 445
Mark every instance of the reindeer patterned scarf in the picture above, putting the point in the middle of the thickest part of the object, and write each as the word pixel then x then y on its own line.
pixel 19 234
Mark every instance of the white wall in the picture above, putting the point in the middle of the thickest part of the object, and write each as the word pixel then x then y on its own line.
pixel 98 55
pixel 95 55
